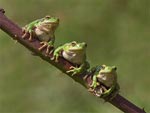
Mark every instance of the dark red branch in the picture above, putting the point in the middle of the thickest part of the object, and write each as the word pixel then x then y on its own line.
pixel 16 33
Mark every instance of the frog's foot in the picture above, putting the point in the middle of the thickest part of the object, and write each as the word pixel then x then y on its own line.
pixel 74 70
pixel 94 84
pixel 25 33
pixel 46 45
pixel 114 92
pixel 30 36
pixel 91 90
pixel 96 91
pixel 55 56
pixel 107 92
pixel 111 92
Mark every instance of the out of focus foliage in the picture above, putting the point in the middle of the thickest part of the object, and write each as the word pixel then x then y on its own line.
pixel 117 33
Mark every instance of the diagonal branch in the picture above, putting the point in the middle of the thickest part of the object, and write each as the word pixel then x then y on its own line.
pixel 16 33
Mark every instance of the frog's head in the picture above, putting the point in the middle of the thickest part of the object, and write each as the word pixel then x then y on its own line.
pixel 49 23
pixel 107 75
pixel 108 69
pixel 75 47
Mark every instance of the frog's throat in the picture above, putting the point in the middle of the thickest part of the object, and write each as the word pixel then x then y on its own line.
pixel 74 57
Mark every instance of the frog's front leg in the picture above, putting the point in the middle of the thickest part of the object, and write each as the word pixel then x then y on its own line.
pixel 57 53
pixel 94 82
pixel 25 32
pixel 76 70
pixel 46 45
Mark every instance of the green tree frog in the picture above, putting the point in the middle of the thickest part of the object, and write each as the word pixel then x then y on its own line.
pixel 75 53
pixel 106 76
pixel 44 29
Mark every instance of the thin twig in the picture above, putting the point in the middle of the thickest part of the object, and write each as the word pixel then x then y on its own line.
pixel 16 33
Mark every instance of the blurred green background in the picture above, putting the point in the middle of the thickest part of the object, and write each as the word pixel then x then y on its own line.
pixel 117 33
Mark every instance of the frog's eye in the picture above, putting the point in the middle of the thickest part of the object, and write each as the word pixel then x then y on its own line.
pixel 73 43
pixel 47 17
pixel 103 66
pixel 115 68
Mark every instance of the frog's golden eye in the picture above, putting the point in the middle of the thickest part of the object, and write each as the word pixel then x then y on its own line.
pixel 103 66
pixel 47 17
pixel 114 67
pixel 73 43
